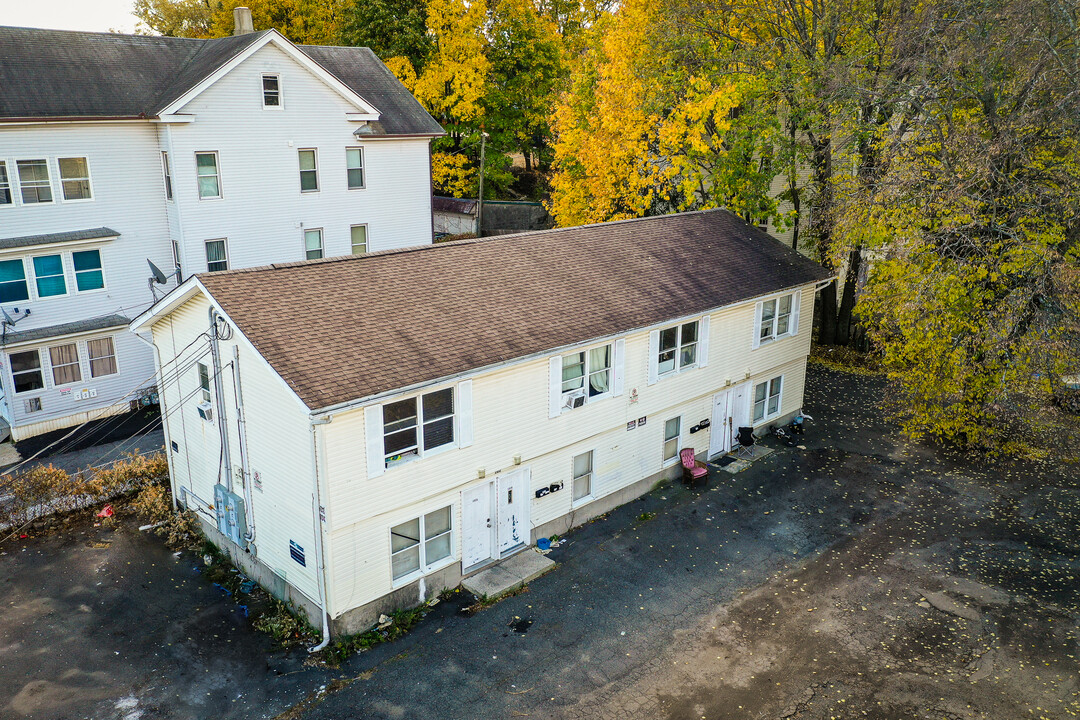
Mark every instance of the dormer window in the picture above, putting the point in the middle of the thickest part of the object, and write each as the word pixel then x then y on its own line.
pixel 271 87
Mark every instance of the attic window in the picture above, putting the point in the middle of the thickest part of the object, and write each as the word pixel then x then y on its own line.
pixel 271 87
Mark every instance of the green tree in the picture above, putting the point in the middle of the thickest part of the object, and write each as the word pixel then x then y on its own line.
pixel 391 28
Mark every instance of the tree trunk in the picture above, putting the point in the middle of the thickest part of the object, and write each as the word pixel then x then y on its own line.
pixel 528 160
pixel 847 300
pixel 827 328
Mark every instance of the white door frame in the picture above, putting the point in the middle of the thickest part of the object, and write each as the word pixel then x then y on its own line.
pixel 498 543
pixel 512 512
pixel 477 543
pixel 727 417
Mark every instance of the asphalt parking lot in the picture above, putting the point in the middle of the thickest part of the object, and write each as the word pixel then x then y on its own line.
pixel 861 576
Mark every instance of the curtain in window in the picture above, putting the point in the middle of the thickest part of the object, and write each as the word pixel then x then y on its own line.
pixel 65 364
pixel 102 357
pixel 600 370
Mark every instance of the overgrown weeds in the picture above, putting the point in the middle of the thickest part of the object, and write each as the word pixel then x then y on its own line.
pixel 284 623
pixel 180 529
pixel 398 623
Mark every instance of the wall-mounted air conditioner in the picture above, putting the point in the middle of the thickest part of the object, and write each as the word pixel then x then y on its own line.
pixel 206 411
pixel 574 399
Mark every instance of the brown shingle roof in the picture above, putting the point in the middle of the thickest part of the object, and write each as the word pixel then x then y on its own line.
pixel 347 328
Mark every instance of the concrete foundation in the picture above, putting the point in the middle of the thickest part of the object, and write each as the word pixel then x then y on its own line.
pixel 364 617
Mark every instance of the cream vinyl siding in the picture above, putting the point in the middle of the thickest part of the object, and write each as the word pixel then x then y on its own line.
pixel 278 442
pixel 510 416
pixel 263 210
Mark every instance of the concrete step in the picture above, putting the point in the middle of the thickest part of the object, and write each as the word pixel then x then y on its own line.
pixel 509 574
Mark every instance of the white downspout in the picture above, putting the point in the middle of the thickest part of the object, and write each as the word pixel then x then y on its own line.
pixel 320 563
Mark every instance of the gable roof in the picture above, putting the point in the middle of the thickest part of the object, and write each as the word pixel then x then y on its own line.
pixel 343 329
pixel 61 74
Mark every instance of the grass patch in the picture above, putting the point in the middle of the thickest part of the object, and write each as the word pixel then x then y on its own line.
pixel 845 359
pixel 646 516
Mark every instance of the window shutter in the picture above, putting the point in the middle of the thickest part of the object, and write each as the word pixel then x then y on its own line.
pixel 618 367
pixel 794 323
pixel 373 427
pixel 703 342
pixel 654 351
pixel 464 413
pixel 757 325
pixel 554 386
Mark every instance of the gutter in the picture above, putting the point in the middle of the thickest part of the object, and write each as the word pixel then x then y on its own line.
pixel 317 521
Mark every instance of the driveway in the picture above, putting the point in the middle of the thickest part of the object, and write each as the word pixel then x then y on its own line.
pixel 862 576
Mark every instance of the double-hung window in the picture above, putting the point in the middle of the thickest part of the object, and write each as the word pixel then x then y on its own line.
pixel 34 184
pixel 586 375
pixel 313 248
pixel 204 382
pixel 417 545
pixel 417 425
pixel 49 275
pixel 102 356
pixel 5 185
pixel 206 169
pixel 271 90
pixel 672 430
pixel 309 171
pixel 217 255
pixel 13 286
pixel 75 178
pixel 88 273
pixel 358 236
pixel 767 399
pixel 354 163
pixel 678 348
pixel 64 360
pixel 26 371
pixel 167 171
pixel 776 318
pixel 583 475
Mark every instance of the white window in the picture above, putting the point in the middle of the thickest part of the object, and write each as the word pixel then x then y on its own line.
pixel 586 375
pixel 354 162
pixel 583 474
pixel 75 178
pixel 102 356
pixel 678 348
pixel 64 360
pixel 26 371
pixel 5 185
pixel 358 236
pixel 672 430
pixel 767 399
pixel 204 382
pixel 168 175
pixel 309 171
pixel 417 545
pixel 88 272
pixel 34 184
pixel 313 249
pixel 776 318
pixel 176 257
pixel 217 255
pixel 49 279
pixel 417 425
pixel 206 169
pixel 13 286
pixel 271 91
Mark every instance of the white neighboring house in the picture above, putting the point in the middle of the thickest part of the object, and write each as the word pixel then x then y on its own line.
pixel 376 446
pixel 199 155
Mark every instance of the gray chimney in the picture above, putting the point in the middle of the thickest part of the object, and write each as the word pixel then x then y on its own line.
pixel 242 21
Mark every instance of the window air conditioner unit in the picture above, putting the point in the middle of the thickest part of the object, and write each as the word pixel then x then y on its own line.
pixel 574 399
pixel 206 411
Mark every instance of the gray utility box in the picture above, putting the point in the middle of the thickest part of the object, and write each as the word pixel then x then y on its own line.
pixel 231 521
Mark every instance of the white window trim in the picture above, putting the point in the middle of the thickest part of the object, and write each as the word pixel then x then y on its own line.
pixel 17 181
pixel 300 172
pixel 678 442
pixel 206 255
pixel 557 399
pixel 793 318
pixel 75 275
pixel 70 279
pixel 10 184
pixel 375 429
pixel 424 569
pixel 89 179
pixel 89 377
pixel 80 349
pixel 322 242
pixel 27 279
pixel 217 173
pixel 262 92
pixel 588 371
pixel 42 365
pixel 701 356
pixel 363 166
pixel 591 495
pixel 367 237
pixel 167 178
pixel 64 262
pixel 779 400
pixel 421 453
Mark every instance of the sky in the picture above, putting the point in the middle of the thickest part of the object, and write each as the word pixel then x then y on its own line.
pixel 97 15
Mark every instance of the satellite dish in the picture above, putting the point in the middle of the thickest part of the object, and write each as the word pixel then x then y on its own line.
pixel 159 277
pixel 8 320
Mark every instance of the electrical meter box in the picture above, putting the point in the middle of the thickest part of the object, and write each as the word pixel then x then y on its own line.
pixel 230 515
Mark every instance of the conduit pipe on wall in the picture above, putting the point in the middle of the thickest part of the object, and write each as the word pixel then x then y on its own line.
pixel 317 522
pixel 241 432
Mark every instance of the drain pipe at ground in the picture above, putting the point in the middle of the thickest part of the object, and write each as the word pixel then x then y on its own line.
pixel 320 565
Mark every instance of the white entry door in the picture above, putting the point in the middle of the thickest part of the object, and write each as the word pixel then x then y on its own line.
pixel 478 525
pixel 731 408
pixel 512 510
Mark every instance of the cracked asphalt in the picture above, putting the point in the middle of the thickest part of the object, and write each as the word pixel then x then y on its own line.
pixel 861 576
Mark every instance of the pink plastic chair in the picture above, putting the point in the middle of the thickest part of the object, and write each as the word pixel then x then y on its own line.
pixel 693 469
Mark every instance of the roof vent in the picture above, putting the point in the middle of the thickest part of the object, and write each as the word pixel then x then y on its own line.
pixel 242 24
